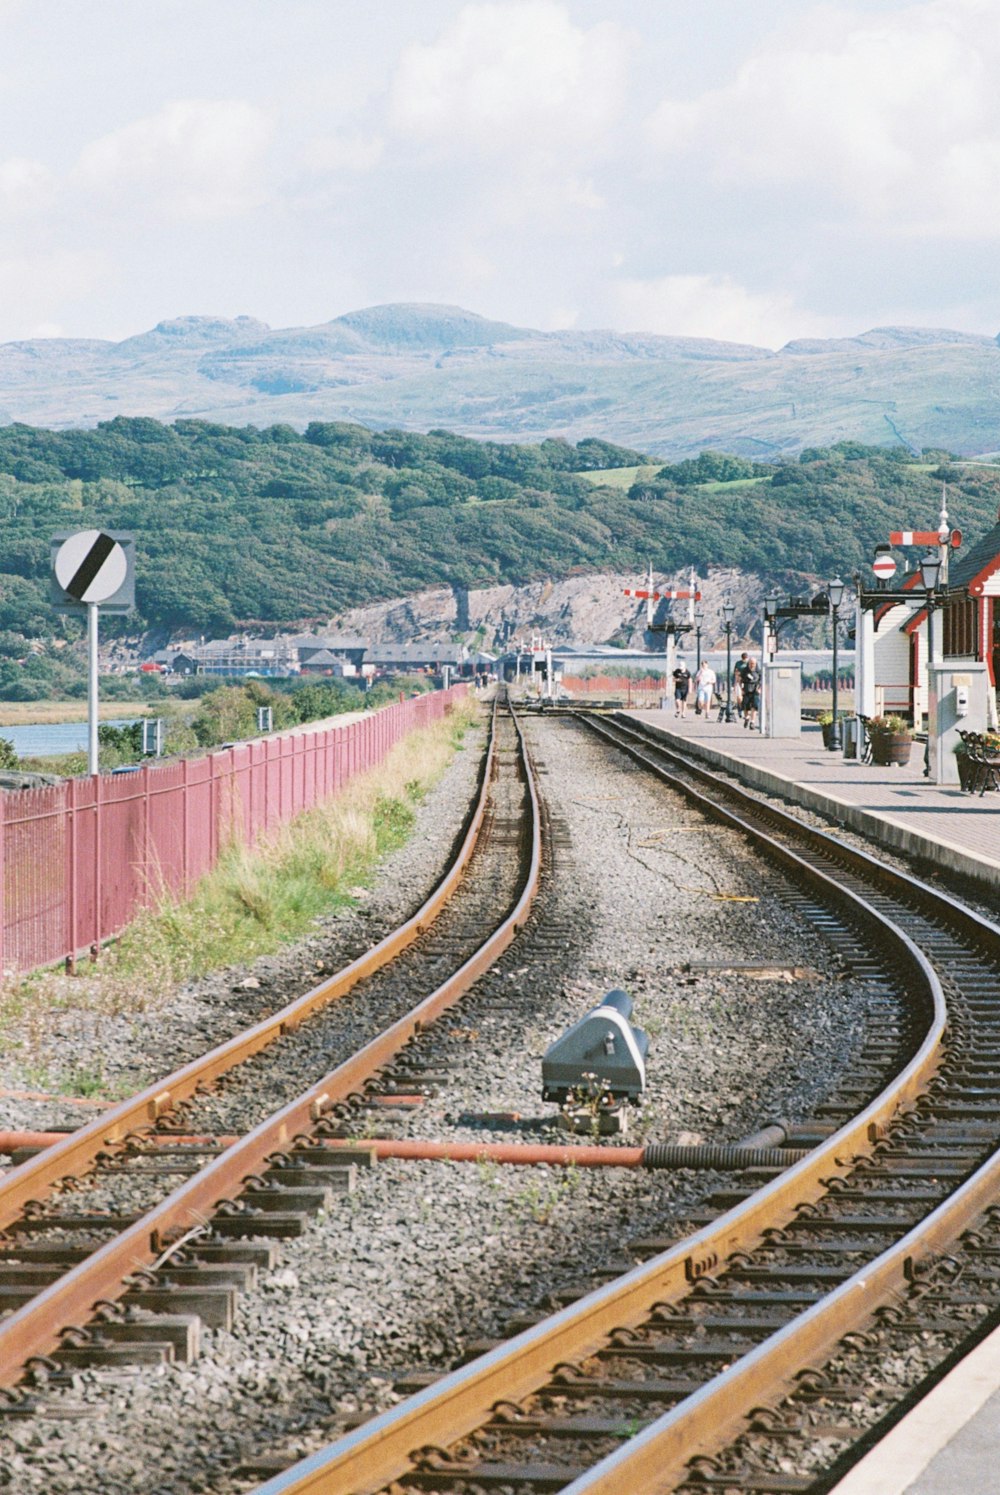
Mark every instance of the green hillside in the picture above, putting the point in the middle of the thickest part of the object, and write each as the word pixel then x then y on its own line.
pixel 238 525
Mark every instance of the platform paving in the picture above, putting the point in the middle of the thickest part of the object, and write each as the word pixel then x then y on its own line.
pixel 897 807
pixel 950 1443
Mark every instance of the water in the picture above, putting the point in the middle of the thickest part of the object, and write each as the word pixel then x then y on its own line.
pixel 51 739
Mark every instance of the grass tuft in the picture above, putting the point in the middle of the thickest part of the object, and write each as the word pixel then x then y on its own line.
pixel 256 899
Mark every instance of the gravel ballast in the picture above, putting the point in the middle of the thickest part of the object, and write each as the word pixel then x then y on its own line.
pixel 423 1259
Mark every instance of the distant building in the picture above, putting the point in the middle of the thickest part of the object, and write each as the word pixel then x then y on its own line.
pixel 388 659
pixel 322 662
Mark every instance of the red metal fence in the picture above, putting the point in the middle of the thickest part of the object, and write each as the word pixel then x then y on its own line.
pixel 645 692
pixel 80 858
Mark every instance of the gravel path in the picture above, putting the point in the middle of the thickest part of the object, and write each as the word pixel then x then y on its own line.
pixel 424 1258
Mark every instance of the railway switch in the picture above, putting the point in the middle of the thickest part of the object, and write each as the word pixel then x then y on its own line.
pixel 597 1066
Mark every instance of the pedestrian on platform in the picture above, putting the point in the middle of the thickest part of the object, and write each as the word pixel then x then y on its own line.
pixel 704 684
pixel 751 694
pixel 739 669
pixel 682 687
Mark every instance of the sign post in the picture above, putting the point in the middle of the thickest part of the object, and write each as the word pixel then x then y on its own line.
pixel 92 568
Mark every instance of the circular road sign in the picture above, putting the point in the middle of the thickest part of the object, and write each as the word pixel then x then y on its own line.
pixel 884 567
pixel 90 566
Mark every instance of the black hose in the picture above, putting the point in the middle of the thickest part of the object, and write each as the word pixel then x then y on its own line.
pixel 726 1157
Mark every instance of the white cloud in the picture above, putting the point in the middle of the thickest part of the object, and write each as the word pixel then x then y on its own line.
pixel 513 73
pixel 25 186
pixel 896 116
pixel 36 287
pixel 196 158
pixel 347 152
pixel 713 306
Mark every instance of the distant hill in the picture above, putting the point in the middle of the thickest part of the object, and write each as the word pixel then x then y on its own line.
pixel 421 367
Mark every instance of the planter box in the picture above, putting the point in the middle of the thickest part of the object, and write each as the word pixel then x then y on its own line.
pixel 890 748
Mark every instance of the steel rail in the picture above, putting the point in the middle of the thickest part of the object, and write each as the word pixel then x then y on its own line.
pixel 77 1153
pixel 974 925
pixel 35 1329
pixel 367 1459
pixel 655 1459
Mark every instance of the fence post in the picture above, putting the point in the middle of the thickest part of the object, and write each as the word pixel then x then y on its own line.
pixel 185 823
pixel 95 948
pixel 213 812
pixel 3 883
pixel 72 943
pixel 146 858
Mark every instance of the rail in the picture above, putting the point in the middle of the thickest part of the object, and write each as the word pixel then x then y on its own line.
pixel 380 1451
pixel 35 1329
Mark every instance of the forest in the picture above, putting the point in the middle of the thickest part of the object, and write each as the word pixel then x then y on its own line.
pixel 275 526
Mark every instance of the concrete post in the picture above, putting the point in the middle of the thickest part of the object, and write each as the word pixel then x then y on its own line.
pixel 947 684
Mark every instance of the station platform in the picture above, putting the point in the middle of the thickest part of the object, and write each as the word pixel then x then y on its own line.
pixel 949 1444
pixel 895 807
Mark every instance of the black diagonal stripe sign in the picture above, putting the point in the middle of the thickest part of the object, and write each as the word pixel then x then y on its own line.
pixel 90 567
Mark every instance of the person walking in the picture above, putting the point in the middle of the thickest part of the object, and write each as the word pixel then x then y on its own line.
pixel 751 694
pixel 739 670
pixel 682 686
pixel 704 684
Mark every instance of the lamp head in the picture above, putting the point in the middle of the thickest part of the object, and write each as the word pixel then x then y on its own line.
pixel 930 570
pixel 835 592
pixel 728 611
pixel 770 604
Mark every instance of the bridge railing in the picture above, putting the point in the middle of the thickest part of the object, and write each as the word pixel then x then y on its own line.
pixel 79 859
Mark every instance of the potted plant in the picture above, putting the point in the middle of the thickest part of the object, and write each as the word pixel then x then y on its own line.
pixel 966 767
pixel 892 739
pixel 826 723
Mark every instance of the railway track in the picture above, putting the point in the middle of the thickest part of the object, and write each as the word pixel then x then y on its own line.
pixel 750 1354
pixel 119 1241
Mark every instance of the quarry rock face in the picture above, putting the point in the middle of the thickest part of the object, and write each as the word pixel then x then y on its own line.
pixel 590 609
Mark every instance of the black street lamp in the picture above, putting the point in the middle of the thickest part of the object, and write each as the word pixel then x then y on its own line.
pixel 835 595
pixel 930 571
pixel 728 609
pixel 771 602
pixel 699 619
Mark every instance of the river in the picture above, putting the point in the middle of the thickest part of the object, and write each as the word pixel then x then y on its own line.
pixel 51 739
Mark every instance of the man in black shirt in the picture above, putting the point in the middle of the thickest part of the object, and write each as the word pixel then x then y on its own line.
pixel 751 693
pixel 682 685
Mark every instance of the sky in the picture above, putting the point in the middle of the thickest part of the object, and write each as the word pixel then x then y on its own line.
pixel 751 170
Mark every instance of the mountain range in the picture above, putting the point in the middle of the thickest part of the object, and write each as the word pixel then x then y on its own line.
pixel 422 367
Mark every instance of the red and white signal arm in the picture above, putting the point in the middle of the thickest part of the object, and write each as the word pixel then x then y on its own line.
pixel 884 567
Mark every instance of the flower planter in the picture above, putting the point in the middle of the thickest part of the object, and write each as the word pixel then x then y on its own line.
pixel 889 748
pixel 966 772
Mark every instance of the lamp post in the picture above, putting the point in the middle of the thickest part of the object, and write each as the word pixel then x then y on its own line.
pixel 835 596
pixel 770 623
pixel 728 609
pixel 930 571
pixel 699 619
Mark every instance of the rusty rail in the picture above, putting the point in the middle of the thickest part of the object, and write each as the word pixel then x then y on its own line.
pixel 35 1329
pixel 77 1153
pixel 369 1458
